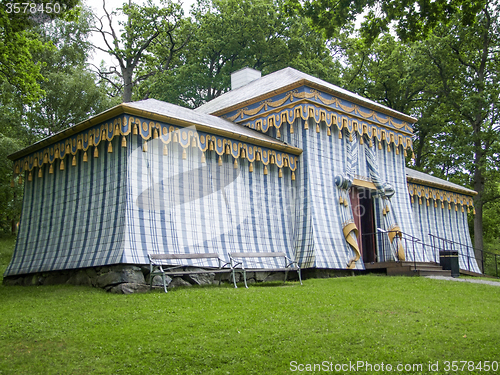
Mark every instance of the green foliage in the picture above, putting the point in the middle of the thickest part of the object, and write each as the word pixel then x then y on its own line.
pixel 411 20
pixel 10 197
pixel 230 35
pixel 17 66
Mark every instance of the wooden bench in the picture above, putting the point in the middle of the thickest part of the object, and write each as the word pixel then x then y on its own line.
pixel 160 265
pixel 238 261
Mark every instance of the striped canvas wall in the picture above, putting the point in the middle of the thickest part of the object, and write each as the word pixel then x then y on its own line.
pixel 446 223
pixel 176 204
pixel 74 217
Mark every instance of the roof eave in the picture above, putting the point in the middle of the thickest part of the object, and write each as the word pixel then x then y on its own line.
pixel 464 191
pixel 303 82
pixel 125 108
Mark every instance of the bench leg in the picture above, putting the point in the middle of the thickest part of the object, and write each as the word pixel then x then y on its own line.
pixel 245 278
pixel 286 274
pixel 300 278
pixel 234 278
pixel 164 282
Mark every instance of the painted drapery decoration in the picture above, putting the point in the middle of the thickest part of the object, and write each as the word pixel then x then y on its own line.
pixel 344 183
pixel 125 126
pixel 385 192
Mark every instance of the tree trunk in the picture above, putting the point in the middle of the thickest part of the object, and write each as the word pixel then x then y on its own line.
pixel 478 204
pixel 127 84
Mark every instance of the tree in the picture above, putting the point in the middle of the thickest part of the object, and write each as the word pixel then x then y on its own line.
pixel 17 67
pixel 230 35
pixel 410 19
pixel 131 45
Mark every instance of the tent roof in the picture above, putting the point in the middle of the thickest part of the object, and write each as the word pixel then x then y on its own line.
pixel 281 81
pixel 170 113
pixel 428 180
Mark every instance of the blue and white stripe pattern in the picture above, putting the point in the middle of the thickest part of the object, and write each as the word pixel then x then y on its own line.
pixel 73 218
pixel 179 205
pixel 446 223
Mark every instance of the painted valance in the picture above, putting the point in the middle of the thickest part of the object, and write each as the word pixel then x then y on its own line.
pixel 422 192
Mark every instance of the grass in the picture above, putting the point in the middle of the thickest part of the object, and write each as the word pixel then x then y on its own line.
pixel 261 330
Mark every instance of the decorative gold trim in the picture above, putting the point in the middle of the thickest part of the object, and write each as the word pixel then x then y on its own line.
pixel 427 193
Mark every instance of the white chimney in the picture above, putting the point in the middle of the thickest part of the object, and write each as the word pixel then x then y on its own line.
pixel 243 77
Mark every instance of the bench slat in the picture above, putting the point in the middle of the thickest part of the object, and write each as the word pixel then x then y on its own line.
pixel 258 255
pixel 184 256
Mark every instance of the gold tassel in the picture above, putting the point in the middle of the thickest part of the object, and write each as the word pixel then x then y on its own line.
pixel 387 209
pixel 124 141
pixel 383 211
pixel 404 152
pixel 175 138
pixel 435 204
pixel 73 162
pixel 243 153
pixel 184 154
pixel 371 143
pixel 463 209
pixel 257 156
pixel 340 134
pixel 235 163
pixel 220 160
pixel 468 209
pixel 45 158
pixel 110 147
pixel 135 130
pixel 388 147
pixel 68 150
pixel 278 133
pixel 306 125
pixel 280 173
pixel 91 140
pixel 193 142
pixel 317 128
pixel 427 202
pixel 51 169
pixel 265 169
pixel 419 200
pixel 250 167
pixel 165 150
pixel 203 160
pixel 412 200
pixel 228 149
pixel 328 131
pixel 285 162
pixel 341 200
pixel 456 207
pixel 85 157
pixel 145 147
pixel 30 178
pixel 449 206
pixel 12 183
pixel 61 166
pixel 273 161
pixel 361 141
pixel 413 155
pixel 474 211
pixel 397 150
pixel 155 134
pixel 380 145
pixel 293 176
pixel 258 126
pixel 96 152
pixel 442 205
pixel 40 174
pixel 211 147
pixel 346 203
pixel 291 128
pixel 350 137
pixel 20 181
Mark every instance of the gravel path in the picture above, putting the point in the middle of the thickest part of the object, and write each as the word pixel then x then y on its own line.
pixel 494 283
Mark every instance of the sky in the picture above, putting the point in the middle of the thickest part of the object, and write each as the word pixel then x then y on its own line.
pixel 112 5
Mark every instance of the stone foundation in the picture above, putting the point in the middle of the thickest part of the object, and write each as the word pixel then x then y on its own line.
pixel 126 279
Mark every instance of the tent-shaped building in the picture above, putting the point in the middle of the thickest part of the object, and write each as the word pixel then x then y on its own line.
pixel 284 162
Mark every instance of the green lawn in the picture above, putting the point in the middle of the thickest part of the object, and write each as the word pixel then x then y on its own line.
pixel 261 330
